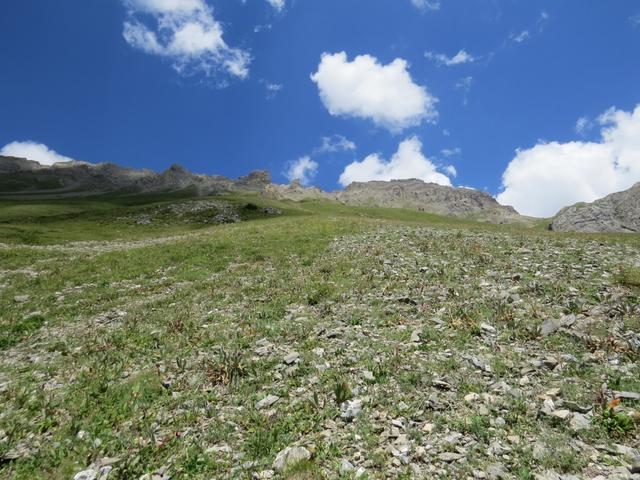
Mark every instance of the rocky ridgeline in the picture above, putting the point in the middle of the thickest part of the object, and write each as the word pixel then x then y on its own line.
pixel 21 177
pixel 24 178
pixel 618 212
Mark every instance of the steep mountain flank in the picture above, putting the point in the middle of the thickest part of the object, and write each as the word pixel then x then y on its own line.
pixel 618 212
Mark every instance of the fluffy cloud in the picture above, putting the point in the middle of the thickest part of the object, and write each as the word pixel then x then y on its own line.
pixel 541 180
pixel 277 4
pixel 33 151
pixel 364 88
pixel 426 4
pixel 336 143
pixel 186 32
pixel 407 162
pixel 304 169
pixel 458 59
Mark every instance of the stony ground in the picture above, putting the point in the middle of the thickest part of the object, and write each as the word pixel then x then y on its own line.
pixel 333 351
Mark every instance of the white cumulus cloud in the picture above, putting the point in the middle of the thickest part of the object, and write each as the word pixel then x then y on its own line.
pixel 364 88
pixel 304 169
pixel 407 162
pixel 33 151
pixel 541 180
pixel 186 32
pixel 458 59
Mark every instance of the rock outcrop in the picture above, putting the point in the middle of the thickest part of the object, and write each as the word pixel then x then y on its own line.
pixel 618 212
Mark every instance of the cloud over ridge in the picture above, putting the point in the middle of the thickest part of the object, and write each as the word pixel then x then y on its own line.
pixel 541 180
pixel 407 162
pixel 33 151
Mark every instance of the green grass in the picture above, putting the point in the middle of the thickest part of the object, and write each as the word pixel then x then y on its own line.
pixel 629 276
pixel 145 339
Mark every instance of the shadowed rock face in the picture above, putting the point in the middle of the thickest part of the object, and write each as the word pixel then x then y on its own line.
pixel 618 212
pixel 20 177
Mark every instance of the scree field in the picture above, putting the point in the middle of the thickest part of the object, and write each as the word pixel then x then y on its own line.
pixel 161 338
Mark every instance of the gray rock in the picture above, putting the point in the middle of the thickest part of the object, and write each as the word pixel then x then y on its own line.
pixel 635 466
pixel 291 358
pixel 351 409
pixel 289 457
pixel 346 467
pixel 21 298
pixel 267 401
pixel 579 422
pixel 89 474
pixel 450 456
pixel 550 326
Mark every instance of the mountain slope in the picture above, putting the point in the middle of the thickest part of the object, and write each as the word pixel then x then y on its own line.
pixel 618 212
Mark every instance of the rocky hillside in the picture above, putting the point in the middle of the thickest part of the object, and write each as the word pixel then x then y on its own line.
pixel 412 193
pixel 618 212
pixel 20 177
pixel 429 197
pixel 310 348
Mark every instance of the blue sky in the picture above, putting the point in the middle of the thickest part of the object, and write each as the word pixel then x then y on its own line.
pixel 533 101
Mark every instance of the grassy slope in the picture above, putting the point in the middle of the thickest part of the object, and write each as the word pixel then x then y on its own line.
pixel 106 323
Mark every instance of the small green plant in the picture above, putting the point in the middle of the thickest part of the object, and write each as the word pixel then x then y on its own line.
pixel 617 424
pixel 342 391
pixel 227 367
pixel 629 276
